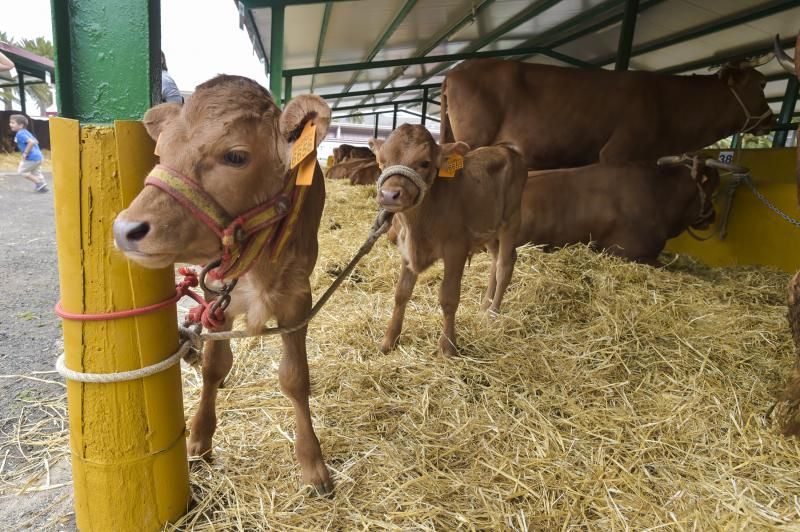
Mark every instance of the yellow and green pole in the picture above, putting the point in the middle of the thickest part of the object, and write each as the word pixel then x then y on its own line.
pixel 127 439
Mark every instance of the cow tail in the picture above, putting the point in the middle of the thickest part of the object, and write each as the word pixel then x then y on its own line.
pixel 445 129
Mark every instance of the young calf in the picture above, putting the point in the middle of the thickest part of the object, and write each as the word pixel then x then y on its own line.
pixel 448 218
pixel 627 209
pixel 231 144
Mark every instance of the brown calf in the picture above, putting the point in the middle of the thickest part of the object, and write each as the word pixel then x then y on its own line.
pixel 233 140
pixel 627 209
pixel 448 218
pixel 346 151
pixel 357 171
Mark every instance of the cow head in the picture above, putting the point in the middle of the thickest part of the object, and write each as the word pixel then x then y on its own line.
pixel 747 85
pixel 410 160
pixel 233 141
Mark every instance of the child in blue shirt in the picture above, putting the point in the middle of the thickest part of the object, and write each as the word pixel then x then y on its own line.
pixel 31 165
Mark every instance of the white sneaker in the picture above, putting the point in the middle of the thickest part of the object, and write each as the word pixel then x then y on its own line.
pixel 41 187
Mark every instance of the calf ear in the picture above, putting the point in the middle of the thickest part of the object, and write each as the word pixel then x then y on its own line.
pixel 375 145
pixel 453 148
pixel 299 111
pixel 156 118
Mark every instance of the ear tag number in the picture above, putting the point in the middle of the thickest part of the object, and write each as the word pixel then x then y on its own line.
pixel 453 164
pixel 304 147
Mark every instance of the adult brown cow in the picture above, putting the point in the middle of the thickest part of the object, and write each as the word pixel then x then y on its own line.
pixel 358 171
pixel 567 117
pixel 347 151
pixel 226 153
pixel 627 209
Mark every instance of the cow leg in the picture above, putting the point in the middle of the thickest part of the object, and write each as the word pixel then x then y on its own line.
pixel 217 362
pixel 506 259
pixel 449 297
pixel 294 381
pixel 402 293
pixel 491 287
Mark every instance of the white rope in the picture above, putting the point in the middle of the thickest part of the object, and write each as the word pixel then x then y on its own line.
pixel 405 171
pixel 122 376
pixel 747 116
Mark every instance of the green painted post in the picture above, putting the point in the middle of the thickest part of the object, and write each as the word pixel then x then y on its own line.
pixel 394 118
pixel 626 34
pixel 736 140
pixel 276 52
pixel 376 126
pixel 785 116
pixel 21 88
pixel 424 106
pixel 288 95
pixel 108 61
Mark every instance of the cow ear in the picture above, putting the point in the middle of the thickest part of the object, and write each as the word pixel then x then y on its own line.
pixel 450 149
pixel 375 145
pixel 299 111
pixel 156 118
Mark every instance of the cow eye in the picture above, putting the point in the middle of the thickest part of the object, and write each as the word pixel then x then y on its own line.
pixel 425 164
pixel 236 157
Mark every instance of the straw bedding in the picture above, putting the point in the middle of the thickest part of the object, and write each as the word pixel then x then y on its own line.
pixel 606 395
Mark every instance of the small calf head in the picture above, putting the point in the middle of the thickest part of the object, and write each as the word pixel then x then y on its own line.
pixel 234 142
pixel 410 160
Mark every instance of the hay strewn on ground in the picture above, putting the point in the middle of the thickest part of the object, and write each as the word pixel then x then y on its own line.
pixel 10 161
pixel 606 396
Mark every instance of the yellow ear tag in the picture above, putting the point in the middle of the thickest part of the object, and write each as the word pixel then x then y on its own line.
pixel 158 143
pixel 304 147
pixel 453 164
pixel 330 161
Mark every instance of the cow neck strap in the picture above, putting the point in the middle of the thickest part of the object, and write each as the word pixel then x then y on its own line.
pixel 243 237
pixel 747 116
pixel 407 172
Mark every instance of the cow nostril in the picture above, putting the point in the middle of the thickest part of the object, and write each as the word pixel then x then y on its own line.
pixel 395 195
pixel 138 232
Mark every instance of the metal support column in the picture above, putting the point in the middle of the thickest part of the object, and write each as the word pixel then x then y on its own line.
pixel 787 109
pixel 377 116
pixel 276 52
pixel 736 140
pixel 626 34
pixel 288 95
pixel 21 86
pixel 394 118
pixel 424 105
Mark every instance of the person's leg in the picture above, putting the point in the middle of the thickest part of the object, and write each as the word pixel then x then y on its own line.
pixel 24 170
pixel 36 172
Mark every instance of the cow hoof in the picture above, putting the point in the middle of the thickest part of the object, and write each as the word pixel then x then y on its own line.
pixel 388 344
pixel 492 313
pixel 199 449
pixel 446 347
pixel 486 304
pixel 324 490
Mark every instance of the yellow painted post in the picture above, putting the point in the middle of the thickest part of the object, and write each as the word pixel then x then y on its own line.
pixel 127 439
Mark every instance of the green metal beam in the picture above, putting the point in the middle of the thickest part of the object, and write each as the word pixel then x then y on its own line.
pixel 384 36
pixel 276 52
pixel 445 33
pixel 778 76
pixel 517 20
pixel 370 105
pixel 737 19
pixel 427 117
pixel 430 59
pixel 107 58
pixel 601 17
pixel 27 84
pixel 21 89
pixel 626 34
pixel 326 18
pixel 726 57
pixel 372 92
pixel 787 109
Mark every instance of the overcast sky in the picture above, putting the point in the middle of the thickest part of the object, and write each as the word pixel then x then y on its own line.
pixel 200 38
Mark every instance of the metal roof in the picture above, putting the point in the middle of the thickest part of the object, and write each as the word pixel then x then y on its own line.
pixel 673 36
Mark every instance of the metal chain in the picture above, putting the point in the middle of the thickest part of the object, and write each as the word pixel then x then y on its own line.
pixel 747 180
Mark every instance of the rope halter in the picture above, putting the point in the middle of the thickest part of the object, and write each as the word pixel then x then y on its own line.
pixel 243 237
pixel 407 172
pixel 747 116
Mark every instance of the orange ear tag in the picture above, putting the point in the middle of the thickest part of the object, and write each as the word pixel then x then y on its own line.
pixel 453 164
pixel 304 147
pixel 158 143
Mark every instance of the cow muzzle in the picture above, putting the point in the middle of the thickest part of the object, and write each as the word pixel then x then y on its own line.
pixel 394 197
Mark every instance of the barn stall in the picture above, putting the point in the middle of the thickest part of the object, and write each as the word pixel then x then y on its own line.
pixel 606 395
